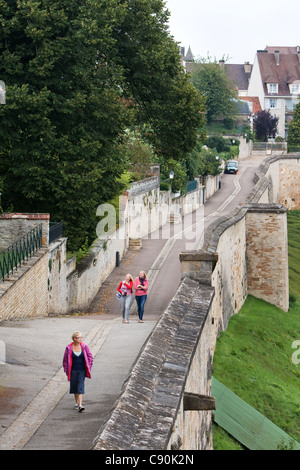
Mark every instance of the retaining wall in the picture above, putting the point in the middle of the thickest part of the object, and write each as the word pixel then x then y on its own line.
pixel 25 293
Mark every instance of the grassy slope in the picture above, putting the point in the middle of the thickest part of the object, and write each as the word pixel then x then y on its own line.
pixel 254 356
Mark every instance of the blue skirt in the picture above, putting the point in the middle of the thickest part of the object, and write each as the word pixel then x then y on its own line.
pixel 77 382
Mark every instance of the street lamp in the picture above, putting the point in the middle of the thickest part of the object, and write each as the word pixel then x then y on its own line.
pixel 171 174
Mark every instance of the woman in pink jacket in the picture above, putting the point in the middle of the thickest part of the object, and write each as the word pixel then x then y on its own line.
pixel 141 291
pixel 77 364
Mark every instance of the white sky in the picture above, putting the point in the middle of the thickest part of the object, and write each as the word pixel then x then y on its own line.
pixel 232 28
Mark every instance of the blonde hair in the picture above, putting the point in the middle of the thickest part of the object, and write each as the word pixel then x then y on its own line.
pixel 76 333
pixel 131 278
pixel 143 273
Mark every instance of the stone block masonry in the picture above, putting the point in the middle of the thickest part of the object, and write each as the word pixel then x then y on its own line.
pixel 25 293
pixel 15 225
pixel 289 187
pixel 267 254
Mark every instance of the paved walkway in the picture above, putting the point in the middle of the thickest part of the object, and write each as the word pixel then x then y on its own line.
pixel 36 409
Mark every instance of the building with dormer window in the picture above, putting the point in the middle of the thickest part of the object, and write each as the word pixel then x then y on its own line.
pixel 275 80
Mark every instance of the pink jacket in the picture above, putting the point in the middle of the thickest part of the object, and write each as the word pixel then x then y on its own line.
pixel 67 360
pixel 139 292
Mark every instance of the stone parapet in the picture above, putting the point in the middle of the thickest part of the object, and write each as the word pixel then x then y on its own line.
pixel 16 225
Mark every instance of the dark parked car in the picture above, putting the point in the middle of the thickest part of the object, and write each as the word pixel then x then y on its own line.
pixel 232 167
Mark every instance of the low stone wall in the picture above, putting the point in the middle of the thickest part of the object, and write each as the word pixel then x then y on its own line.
pixel 25 293
pixel 150 412
pixel 15 225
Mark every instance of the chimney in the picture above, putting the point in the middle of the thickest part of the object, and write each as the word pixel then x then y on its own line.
pixel 276 54
pixel 247 67
pixel 222 63
pixel 298 53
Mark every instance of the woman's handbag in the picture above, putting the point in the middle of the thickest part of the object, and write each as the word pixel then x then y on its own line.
pixel 118 295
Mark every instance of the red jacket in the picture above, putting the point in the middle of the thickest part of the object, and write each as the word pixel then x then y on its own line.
pixel 128 287
pixel 67 360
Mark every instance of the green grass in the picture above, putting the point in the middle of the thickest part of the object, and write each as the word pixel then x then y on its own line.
pixel 254 355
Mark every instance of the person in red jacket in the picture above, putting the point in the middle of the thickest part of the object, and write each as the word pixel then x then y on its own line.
pixel 125 289
pixel 77 364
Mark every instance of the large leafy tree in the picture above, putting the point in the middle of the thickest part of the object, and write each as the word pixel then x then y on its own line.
pixel 64 114
pixel 155 80
pixel 211 80
pixel 78 74
pixel 294 128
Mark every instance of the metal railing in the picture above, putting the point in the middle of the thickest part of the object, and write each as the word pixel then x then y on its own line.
pixel 20 251
pixel 293 148
pixel 264 146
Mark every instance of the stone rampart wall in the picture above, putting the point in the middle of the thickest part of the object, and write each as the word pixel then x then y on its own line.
pixel 25 293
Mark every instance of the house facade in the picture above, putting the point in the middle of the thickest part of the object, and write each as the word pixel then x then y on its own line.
pixel 275 80
pixel 271 83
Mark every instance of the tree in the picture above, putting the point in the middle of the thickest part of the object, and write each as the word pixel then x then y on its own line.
pixel 294 128
pixel 155 79
pixel 78 74
pixel 202 161
pixel 265 125
pixel 212 82
pixel 63 118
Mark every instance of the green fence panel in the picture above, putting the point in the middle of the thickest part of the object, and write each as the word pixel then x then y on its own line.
pixel 249 427
pixel 20 251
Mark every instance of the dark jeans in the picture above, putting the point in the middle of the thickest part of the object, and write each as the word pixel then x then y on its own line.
pixel 140 300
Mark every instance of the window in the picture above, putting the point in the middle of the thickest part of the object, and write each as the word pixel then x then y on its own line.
pixel 273 103
pixel 273 87
pixel 295 88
